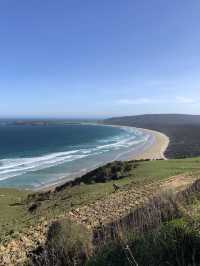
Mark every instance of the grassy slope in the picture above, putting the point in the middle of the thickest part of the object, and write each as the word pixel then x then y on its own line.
pixel 15 218
pixel 144 173
pixel 175 242
pixel 12 215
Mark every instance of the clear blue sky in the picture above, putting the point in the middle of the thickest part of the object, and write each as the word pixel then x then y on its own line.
pixel 99 58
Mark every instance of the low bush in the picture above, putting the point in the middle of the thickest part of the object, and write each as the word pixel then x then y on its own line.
pixel 67 244
pixel 175 243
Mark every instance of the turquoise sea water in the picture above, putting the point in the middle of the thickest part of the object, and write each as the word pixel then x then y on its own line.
pixel 35 156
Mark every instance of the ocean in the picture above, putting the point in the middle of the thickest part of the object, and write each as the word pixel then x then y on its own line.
pixel 32 157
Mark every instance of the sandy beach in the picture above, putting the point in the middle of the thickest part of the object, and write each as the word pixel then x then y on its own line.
pixel 156 150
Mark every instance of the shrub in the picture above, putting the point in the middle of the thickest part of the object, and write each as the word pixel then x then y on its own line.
pixel 67 244
pixel 175 244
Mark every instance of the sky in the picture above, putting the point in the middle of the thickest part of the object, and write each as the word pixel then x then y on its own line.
pixel 85 59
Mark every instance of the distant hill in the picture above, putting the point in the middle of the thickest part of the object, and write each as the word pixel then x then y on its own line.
pixel 183 130
pixel 156 119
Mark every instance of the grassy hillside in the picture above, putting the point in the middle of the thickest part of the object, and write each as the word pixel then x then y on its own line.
pixel 175 242
pixel 16 205
pixel 23 211
pixel 12 213
pixel 183 130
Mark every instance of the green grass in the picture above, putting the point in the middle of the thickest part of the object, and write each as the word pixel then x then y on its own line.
pixel 12 213
pixel 159 170
pixel 144 173
pixel 15 218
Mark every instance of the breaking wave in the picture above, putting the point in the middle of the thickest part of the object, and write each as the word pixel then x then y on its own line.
pixel 12 167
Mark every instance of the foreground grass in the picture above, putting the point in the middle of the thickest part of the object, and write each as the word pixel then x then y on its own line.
pixel 162 232
pixel 175 243
pixel 15 214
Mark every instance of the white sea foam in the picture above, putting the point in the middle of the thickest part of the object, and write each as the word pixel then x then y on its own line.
pixel 13 167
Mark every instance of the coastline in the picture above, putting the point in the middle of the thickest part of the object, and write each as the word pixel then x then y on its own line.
pixel 152 147
pixel 157 149
pixel 154 150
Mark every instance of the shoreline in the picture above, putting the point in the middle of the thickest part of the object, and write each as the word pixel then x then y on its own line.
pixel 157 149
pixel 154 151
pixel 150 151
